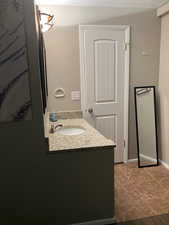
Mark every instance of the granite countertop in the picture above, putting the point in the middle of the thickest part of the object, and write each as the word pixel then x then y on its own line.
pixel 89 139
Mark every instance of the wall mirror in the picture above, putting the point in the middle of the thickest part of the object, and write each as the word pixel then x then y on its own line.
pixel 146 126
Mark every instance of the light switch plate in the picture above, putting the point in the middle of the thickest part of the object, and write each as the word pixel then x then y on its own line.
pixel 75 95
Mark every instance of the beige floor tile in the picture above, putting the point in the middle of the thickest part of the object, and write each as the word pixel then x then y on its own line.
pixel 141 192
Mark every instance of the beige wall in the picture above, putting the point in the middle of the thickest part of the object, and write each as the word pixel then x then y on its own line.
pixel 63 67
pixel 74 15
pixel 164 89
pixel 63 60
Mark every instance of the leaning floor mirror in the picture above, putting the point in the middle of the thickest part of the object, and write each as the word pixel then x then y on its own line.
pixel 146 126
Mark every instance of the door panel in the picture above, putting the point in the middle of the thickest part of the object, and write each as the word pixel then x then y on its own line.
pixel 107 125
pixel 105 55
pixel 104 66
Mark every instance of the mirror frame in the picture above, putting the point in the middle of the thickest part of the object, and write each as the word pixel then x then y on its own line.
pixel 137 132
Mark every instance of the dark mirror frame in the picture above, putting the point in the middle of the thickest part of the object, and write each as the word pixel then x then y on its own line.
pixel 137 132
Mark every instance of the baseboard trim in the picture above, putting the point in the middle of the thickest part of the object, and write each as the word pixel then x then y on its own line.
pixel 164 164
pixel 98 222
pixel 148 158
pixel 132 160
pixel 151 159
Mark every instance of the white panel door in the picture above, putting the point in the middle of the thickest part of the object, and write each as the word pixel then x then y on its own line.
pixel 104 67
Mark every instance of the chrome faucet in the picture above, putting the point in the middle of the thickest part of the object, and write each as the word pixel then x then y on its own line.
pixel 53 127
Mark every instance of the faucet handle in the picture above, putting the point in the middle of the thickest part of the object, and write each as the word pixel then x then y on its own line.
pixel 52 129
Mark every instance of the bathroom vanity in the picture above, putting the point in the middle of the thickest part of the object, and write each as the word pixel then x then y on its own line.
pixel 87 188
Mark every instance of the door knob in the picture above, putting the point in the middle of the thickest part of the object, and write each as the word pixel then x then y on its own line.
pixel 90 110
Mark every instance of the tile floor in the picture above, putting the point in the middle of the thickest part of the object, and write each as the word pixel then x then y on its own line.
pixel 141 192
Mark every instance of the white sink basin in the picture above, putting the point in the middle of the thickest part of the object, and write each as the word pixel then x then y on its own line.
pixel 70 130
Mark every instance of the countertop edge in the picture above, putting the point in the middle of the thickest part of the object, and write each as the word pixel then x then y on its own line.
pixel 107 147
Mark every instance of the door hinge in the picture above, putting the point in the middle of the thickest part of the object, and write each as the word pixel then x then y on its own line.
pixel 124 143
pixel 126 46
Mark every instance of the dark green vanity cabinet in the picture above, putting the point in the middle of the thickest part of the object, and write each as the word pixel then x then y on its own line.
pixel 37 186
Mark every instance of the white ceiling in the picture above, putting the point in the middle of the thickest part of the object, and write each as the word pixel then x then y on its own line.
pixel 106 3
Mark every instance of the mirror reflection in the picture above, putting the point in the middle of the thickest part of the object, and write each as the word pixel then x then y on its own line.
pixel 146 126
